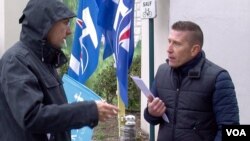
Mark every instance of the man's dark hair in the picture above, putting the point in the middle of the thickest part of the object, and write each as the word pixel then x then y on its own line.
pixel 196 32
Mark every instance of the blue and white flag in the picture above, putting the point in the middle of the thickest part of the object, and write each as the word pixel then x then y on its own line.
pixel 106 17
pixel 86 44
pixel 76 92
pixel 83 60
pixel 119 38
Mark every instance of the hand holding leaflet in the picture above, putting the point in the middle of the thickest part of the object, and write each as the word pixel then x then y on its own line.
pixel 138 81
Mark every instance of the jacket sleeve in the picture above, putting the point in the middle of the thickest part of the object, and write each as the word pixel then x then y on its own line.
pixel 25 101
pixel 149 118
pixel 225 104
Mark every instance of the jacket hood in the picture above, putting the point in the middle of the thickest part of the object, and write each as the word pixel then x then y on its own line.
pixel 37 19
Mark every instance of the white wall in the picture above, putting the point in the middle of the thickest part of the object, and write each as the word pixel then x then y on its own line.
pixel 1 27
pixel 225 24
pixel 11 12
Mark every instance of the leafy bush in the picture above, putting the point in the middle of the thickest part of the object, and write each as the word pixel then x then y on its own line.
pixel 133 91
pixel 106 84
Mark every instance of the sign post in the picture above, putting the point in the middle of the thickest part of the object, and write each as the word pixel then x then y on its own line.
pixel 148 11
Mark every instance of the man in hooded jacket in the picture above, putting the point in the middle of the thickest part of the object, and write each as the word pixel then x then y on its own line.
pixel 33 104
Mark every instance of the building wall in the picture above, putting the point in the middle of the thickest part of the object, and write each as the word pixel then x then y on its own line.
pixel 1 27
pixel 225 24
pixel 137 22
pixel 11 11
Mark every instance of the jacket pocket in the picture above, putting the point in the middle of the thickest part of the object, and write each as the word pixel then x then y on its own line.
pixel 50 82
pixel 53 91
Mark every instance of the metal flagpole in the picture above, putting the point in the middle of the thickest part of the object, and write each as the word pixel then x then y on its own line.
pixel 121 106
pixel 121 114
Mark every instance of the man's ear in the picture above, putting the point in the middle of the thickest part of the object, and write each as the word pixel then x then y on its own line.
pixel 195 49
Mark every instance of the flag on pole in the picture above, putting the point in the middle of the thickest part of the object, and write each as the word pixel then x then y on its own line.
pixel 106 17
pixel 83 60
pixel 75 92
pixel 119 38
pixel 86 43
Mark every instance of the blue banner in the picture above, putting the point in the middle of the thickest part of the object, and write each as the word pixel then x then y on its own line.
pixel 117 20
pixel 76 91
pixel 86 44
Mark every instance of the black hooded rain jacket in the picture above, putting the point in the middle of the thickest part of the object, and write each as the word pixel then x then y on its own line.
pixel 33 104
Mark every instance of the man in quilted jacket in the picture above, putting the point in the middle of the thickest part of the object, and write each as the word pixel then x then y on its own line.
pixel 197 95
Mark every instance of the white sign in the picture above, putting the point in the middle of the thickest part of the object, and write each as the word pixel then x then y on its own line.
pixel 148 9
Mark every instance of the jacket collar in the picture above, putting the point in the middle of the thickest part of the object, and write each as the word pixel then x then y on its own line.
pixel 47 53
pixel 53 56
pixel 192 69
pixel 195 69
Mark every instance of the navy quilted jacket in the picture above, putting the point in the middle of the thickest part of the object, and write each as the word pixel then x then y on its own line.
pixel 199 97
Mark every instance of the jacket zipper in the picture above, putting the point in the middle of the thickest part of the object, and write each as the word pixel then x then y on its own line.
pixel 176 103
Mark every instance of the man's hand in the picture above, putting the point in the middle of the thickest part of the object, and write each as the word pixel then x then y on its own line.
pixel 155 106
pixel 105 110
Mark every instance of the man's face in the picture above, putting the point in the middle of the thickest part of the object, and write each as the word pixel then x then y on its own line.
pixel 59 31
pixel 180 50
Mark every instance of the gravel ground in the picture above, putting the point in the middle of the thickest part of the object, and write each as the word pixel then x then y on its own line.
pixel 108 131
